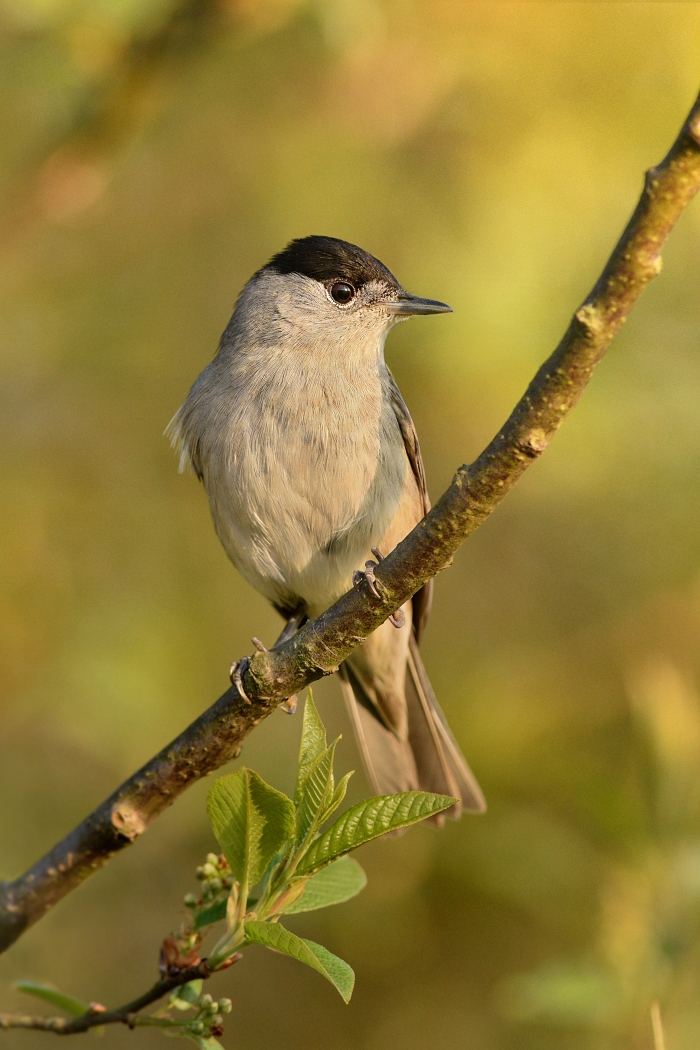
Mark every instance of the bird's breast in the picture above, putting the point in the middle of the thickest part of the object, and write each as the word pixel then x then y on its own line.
pixel 305 474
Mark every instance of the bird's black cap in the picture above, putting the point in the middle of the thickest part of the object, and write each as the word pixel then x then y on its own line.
pixel 329 259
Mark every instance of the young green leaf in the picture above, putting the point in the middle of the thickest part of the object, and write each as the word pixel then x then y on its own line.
pixel 189 993
pixel 208 916
pixel 337 970
pixel 270 870
pixel 204 1042
pixel 337 798
pixel 368 820
pixel 316 792
pixel 272 935
pixel 251 820
pixel 49 994
pixel 217 912
pixel 313 742
pixel 336 883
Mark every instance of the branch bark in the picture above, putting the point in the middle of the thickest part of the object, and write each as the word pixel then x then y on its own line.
pixel 321 645
pixel 98 1018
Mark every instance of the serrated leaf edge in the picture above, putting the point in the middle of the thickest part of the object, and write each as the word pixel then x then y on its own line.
pixel 327 847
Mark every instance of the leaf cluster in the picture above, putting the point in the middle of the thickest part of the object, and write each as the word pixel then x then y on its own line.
pixel 276 860
pixel 277 844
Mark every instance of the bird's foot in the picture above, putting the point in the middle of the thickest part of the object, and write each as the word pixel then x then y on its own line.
pixel 238 669
pixel 358 577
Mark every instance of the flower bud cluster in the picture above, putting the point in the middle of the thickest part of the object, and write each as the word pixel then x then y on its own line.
pixel 209 1020
pixel 216 879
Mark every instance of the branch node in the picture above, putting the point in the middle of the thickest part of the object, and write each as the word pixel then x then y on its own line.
pixel 128 821
pixel 651 178
pixel 589 317
pixel 533 443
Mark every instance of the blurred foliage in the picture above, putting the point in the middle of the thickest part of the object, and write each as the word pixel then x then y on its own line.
pixel 154 154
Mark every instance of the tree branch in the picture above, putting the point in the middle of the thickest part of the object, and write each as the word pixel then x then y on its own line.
pixel 319 647
pixel 96 1018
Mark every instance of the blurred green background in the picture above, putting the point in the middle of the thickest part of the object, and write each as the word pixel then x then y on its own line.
pixel 154 153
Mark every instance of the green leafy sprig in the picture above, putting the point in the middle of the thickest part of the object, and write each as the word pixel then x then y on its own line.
pixel 273 847
pixel 276 842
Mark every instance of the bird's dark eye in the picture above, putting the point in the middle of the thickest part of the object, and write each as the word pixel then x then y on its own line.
pixel 342 292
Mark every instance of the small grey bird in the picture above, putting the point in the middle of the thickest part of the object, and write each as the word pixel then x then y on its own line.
pixel 310 459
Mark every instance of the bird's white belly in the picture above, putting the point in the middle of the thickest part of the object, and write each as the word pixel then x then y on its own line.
pixel 300 491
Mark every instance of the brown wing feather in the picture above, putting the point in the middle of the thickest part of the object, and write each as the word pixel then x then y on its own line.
pixel 422 599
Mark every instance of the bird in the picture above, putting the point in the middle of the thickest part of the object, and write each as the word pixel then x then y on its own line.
pixel 311 464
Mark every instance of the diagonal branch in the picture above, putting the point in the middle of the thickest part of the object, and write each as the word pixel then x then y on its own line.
pixel 319 647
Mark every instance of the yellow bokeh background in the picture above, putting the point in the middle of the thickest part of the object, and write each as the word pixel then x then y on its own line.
pixel 153 154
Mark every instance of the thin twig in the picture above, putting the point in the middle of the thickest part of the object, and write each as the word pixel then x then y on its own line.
pixel 319 647
pixel 657 1027
pixel 96 1018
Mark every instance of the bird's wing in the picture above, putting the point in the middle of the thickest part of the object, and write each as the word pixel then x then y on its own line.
pixel 422 600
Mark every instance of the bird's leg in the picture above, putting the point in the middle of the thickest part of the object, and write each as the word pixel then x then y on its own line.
pixel 295 621
pixel 397 618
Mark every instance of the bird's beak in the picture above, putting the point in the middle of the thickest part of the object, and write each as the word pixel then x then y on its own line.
pixel 405 303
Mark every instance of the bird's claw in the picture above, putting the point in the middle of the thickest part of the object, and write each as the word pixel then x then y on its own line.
pixel 289 705
pixel 238 669
pixel 358 577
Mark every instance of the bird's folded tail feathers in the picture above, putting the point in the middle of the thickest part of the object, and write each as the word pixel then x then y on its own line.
pixel 429 760
pixel 419 692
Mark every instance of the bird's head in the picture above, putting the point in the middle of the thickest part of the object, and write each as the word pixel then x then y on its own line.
pixel 326 291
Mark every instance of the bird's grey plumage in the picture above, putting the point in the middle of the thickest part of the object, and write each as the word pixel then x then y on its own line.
pixel 310 458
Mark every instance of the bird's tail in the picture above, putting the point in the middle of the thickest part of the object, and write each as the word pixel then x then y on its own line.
pixel 428 760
